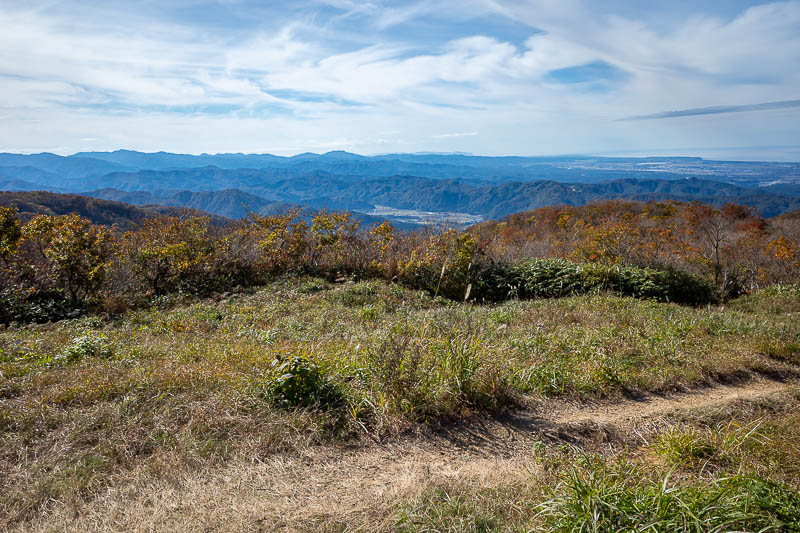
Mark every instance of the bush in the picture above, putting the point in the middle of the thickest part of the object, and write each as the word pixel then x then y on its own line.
pixel 86 346
pixel 492 281
pixel 301 383
pixel 37 306
pixel 553 278
pixel 169 254
pixel 442 265
pixel 49 260
pixel 550 278
pixel 67 252
pixel 10 232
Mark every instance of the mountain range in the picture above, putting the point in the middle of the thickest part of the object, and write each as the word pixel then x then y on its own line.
pixel 445 187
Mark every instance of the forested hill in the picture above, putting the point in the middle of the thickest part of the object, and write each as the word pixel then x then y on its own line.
pixel 102 212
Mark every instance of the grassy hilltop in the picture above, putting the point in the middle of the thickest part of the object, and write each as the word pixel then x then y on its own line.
pixel 615 367
pixel 92 404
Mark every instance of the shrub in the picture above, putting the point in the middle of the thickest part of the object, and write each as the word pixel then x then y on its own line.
pixel 492 281
pixel 10 232
pixel 66 252
pixel 333 242
pixel 282 240
pixel 88 345
pixel 38 306
pixel 442 265
pixel 301 383
pixel 168 254
pixel 552 278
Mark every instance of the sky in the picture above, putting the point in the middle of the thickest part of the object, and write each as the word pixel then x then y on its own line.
pixel 714 78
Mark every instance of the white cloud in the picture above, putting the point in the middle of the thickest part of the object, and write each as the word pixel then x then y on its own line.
pixel 151 85
pixel 458 134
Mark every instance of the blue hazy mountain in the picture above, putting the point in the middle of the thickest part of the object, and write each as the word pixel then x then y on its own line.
pixel 233 184
pixel 580 169
pixel 64 167
pixel 429 195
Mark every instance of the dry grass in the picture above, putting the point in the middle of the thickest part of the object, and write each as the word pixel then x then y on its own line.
pixel 482 476
pixel 162 406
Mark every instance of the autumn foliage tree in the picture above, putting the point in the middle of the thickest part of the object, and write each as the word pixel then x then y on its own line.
pixel 54 265
pixel 66 253
pixel 281 239
pixel 168 253
pixel 10 233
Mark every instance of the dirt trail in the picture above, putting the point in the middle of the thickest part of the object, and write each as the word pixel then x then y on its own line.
pixel 630 411
pixel 325 489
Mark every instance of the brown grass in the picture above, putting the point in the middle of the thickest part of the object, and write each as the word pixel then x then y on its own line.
pixel 366 488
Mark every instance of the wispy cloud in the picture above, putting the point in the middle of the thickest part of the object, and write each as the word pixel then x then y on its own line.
pixel 717 110
pixel 245 75
pixel 454 135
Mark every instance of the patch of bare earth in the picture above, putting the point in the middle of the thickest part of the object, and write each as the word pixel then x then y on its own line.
pixel 353 488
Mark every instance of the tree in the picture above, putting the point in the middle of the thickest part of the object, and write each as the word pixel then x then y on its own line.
pixel 167 251
pixel 281 239
pixel 68 252
pixel 332 239
pixel 10 232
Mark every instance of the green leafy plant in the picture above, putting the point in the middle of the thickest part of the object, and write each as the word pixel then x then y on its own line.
pixel 553 278
pixel 89 345
pixel 301 383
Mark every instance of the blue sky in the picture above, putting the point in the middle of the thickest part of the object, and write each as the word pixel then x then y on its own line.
pixel 495 77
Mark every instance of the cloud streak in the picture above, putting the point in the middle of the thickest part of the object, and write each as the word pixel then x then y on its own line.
pixel 245 75
pixel 453 135
pixel 717 110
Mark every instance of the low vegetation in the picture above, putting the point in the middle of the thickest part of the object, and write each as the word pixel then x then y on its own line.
pixel 63 266
pixel 304 361
pixel 701 475
pixel 181 347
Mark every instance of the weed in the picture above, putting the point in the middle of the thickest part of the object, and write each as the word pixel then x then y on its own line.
pixel 301 383
pixel 679 446
pixel 617 497
pixel 370 312
pixel 88 345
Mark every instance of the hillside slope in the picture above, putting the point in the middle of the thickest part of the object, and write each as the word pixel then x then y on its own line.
pixel 104 212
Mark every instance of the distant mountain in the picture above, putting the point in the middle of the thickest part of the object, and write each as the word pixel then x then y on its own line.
pixel 230 203
pixel 233 203
pixel 18 185
pixel 103 212
pixel 791 215
pixel 66 168
pixel 30 174
pixel 578 169
pixel 192 179
pixel 165 161
pixel 496 201
pixel 134 197
pixel 490 187
pixel 424 194
pixel 784 189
